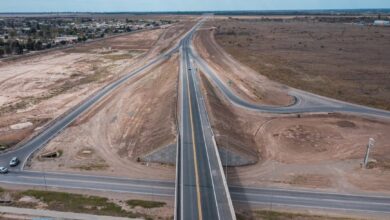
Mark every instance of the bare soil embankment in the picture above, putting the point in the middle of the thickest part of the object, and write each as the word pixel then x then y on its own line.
pixel 134 120
pixel 343 61
pixel 231 130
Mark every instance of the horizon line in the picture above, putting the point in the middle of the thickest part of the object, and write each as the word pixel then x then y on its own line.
pixel 194 11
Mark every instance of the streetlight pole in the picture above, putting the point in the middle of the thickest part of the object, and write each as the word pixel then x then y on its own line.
pixel 370 144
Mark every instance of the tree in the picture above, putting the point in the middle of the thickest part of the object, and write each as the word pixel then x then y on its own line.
pixel 38 45
pixel 16 47
pixel 12 33
pixel 7 49
pixel 30 44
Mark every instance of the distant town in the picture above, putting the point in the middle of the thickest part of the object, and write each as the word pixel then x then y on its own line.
pixel 21 35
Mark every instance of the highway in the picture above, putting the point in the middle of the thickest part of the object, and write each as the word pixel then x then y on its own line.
pixel 203 190
pixel 378 205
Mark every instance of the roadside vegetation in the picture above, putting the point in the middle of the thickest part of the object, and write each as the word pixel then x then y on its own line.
pixel 276 215
pixel 145 204
pixel 70 202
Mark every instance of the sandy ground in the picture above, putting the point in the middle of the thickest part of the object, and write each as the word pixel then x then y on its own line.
pixel 242 79
pixel 111 137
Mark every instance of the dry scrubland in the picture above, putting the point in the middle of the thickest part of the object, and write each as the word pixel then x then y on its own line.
pixel 321 151
pixel 343 61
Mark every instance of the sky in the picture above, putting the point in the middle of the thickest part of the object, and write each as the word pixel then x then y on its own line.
pixel 182 5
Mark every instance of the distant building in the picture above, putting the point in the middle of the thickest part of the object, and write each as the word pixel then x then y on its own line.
pixel 68 39
pixel 381 23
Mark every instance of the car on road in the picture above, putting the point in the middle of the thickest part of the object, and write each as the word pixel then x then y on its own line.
pixel 3 170
pixel 14 162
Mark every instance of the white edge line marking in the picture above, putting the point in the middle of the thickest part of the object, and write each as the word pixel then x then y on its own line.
pixel 315 199
pixel 88 188
pixel 205 142
pixel 315 207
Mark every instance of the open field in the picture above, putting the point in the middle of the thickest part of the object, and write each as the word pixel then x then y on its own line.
pixel 339 60
pixel 113 136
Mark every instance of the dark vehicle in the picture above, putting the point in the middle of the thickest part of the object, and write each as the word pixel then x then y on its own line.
pixel 14 162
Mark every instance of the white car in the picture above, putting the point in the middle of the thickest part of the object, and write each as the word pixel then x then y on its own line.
pixel 3 170
pixel 14 162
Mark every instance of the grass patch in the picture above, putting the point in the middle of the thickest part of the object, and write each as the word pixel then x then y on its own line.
pixel 145 204
pixel 92 166
pixel 3 146
pixel 115 57
pixel 68 202
pixel 275 215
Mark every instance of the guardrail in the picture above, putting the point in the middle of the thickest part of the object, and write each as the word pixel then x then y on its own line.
pixel 177 181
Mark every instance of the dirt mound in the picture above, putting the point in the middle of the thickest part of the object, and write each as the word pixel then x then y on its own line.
pixel 306 139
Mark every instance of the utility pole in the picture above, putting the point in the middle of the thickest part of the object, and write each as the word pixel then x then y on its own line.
pixel 370 144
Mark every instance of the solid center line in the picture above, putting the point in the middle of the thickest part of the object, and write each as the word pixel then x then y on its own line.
pixel 194 151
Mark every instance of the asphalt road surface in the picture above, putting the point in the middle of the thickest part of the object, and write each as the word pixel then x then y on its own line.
pixel 203 189
pixel 378 205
